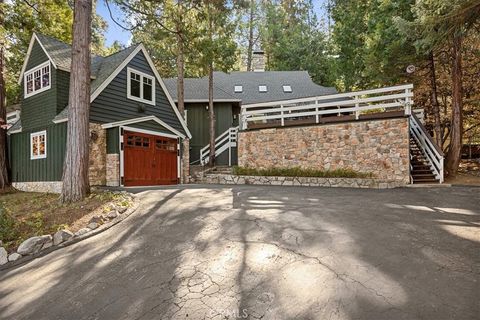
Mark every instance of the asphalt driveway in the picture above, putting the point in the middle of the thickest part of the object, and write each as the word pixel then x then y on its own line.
pixel 266 253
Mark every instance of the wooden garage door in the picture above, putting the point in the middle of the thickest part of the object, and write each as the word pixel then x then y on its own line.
pixel 149 159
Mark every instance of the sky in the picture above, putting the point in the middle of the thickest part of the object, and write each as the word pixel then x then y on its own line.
pixel 116 33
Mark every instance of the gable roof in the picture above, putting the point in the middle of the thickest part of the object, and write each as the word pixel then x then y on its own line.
pixel 196 89
pixel 103 69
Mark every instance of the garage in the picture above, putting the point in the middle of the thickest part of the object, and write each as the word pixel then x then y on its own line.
pixel 149 159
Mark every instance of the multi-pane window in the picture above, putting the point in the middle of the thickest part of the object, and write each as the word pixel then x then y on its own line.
pixel 37 79
pixel 38 145
pixel 141 86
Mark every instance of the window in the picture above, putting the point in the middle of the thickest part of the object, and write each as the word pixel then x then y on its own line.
pixel 262 88
pixel 138 141
pixel 287 89
pixel 140 86
pixel 38 145
pixel 37 80
pixel 238 89
pixel 162 144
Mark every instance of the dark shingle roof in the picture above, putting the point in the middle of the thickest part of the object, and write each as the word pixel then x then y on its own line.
pixel 16 126
pixel 300 82
pixel 105 66
pixel 196 89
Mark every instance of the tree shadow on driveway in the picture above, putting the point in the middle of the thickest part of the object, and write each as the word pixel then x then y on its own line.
pixel 265 252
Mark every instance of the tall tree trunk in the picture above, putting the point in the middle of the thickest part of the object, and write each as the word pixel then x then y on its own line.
pixel 75 172
pixel 435 105
pixel 4 181
pixel 181 97
pixel 211 115
pixel 250 35
pixel 455 150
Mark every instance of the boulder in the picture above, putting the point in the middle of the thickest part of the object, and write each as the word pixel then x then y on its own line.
pixel 96 219
pixel 81 232
pixel 33 245
pixel 3 256
pixel 14 256
pixel 47 245
pixel 112 215
pixel 61 236
pixel 92 225
pixel 121 209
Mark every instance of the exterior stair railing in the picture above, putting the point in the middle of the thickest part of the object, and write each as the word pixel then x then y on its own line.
pixel 224 142
pixel 430 150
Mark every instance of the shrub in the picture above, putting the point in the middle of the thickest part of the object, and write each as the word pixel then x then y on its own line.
pixel 301 172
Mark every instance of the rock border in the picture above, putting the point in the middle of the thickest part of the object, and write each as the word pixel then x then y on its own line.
pixel 231 179
pixel 77 237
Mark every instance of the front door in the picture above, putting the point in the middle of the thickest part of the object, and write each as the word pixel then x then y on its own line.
pixel 149 159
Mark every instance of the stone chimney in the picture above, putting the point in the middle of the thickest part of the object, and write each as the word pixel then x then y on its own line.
pixel 258 61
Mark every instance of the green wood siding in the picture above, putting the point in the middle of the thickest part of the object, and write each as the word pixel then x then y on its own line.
pixel 198 123
pixel 48 169
pixel 112 141
pixel 112 104
pixel 62 87
pixel 39 110
pixel 37 56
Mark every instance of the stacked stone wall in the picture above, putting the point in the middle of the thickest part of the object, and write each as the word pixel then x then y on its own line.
pixel 380 147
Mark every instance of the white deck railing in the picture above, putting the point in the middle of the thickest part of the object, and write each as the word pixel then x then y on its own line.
pixel 350 103
pixel 226 141
pixel 429 149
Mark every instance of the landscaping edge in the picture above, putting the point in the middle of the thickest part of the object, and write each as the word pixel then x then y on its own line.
pixel 231 179
pixel 75 239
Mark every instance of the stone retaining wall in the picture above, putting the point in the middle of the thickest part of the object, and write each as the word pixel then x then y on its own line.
pixel 377 146
pixel 299 181
pixel 39 186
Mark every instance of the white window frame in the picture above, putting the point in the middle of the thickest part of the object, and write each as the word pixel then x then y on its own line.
pixel 262 88
pixel 287 88
pixel 142 76
pixel 32 72
pixel 238 89
pixel 37 134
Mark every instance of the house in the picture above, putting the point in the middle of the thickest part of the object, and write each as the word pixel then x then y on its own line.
pixel 231 92
pixel 135 127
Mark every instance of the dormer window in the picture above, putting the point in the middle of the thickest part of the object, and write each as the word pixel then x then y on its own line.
pixel 238 89
pixel 140 86
pixel 37 80
pixel 262 88
pixel 287 89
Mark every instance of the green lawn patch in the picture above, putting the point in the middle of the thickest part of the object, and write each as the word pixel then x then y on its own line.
pixel 27 214
pixel 300 172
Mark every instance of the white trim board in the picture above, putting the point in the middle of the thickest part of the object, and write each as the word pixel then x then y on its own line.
pixel 153 133
pixel 143 119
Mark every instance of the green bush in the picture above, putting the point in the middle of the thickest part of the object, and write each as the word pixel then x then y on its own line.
pixel 300 172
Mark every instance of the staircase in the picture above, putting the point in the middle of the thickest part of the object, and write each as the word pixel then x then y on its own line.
pixel 224 142
pixel 426 158
pixel 421 170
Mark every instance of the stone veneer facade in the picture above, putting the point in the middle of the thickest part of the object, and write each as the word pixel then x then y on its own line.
pixel 113 169
pixel 98 155
pixel 377 146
